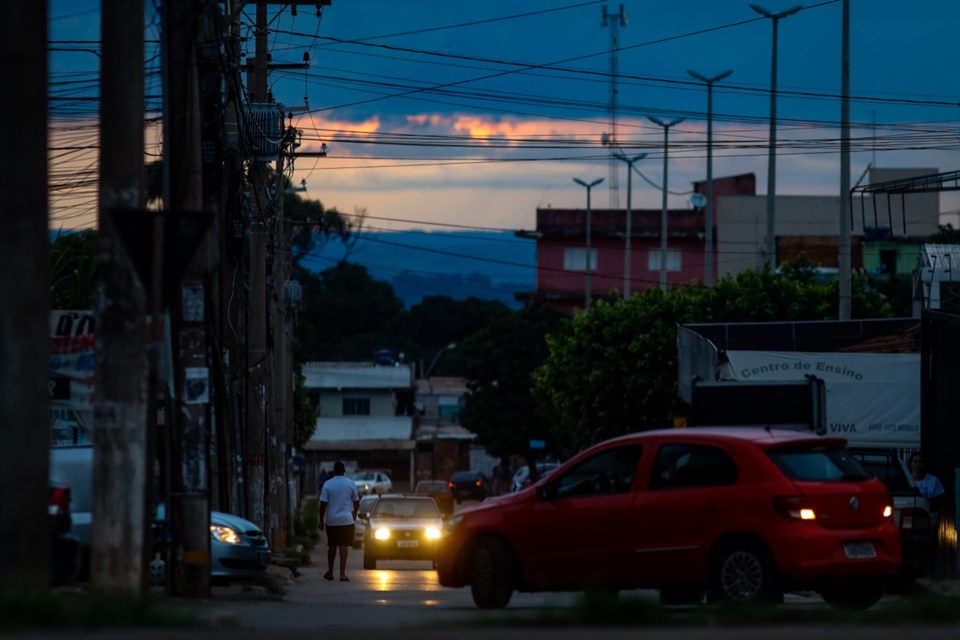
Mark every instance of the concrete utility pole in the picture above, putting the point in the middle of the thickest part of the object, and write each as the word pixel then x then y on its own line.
pixel 25 312
pixel 844 254
pixel 770 248
pixel 122 469
pixel 627 273
pixel 188 507
pixel 708 223
pixel 664 226
pixel 587 296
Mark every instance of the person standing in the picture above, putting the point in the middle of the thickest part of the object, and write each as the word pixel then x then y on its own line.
pixel 339 502
pixel 928 484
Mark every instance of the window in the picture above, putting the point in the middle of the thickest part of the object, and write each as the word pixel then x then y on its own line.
pixel 605 473
pixel 818 464
pixel 679 466
pixel 674 260
pixel 356 406
pixel 575 259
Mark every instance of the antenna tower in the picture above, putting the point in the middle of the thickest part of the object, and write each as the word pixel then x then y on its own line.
pixel 614 22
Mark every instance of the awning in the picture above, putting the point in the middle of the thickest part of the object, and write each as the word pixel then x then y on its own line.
pixel 360 445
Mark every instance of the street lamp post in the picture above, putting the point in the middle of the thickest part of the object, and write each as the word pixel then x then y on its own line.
pixel 433 362
pixel 589 186
pixel 663 215
pixel 770 249
pixel 708 266
pixel 629 231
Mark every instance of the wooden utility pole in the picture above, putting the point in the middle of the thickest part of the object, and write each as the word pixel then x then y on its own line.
pixel 188 502
pixel 25 312
pixel 120 529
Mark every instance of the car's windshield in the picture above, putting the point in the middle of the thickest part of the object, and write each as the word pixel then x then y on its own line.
pixel 365 476
pixel 417 508
pixel 818 464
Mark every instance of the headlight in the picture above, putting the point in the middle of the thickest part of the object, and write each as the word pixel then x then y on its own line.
pixel 432 533
pixel 382 534
pixel 224 534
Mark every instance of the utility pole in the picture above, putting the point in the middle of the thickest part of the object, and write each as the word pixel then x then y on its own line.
pixel 188 507
pixel 122 469
pixel 844 258
pixel 708 223
pixel 664 226
pixel 627 273
pixel 770 248
pixel 25 313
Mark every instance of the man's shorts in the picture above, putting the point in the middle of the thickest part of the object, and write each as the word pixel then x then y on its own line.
pixel 339 536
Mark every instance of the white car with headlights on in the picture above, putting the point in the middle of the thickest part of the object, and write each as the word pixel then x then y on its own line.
pixel 372 482
pixel 401 527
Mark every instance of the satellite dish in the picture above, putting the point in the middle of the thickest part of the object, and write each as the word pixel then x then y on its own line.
pixel 698 200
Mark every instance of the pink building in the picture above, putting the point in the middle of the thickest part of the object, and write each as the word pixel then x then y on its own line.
pixel 562 255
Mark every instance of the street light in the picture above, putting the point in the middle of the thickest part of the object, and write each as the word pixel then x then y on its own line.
pixel 663 216
pixel 626 249
pixel 449 347
pixel 708 267
pixel 772 154
pixel 586 303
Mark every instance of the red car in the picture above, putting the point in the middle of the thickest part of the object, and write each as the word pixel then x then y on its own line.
pixel 737 513
pixel 440 492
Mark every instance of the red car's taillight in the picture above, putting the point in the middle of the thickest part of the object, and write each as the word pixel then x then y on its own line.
pixel 451 484
pixel 59 501
pixel 479 483
pixel 795 507
pixel 916 520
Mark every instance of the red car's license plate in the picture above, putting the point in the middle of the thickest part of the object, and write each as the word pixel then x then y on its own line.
pixel 859 550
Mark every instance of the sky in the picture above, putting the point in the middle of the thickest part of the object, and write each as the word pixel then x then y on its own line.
pixel 443 115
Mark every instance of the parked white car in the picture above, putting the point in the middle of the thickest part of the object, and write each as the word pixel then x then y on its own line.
pixel 369 482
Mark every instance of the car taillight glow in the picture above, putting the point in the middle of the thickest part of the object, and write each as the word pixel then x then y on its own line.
pixel 795 507
pixel 478 484
pixel 59 501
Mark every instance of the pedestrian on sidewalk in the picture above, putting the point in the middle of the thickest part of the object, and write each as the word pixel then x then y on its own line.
pixel 339 502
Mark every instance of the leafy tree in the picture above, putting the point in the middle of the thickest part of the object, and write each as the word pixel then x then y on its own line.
pixel 74 270
pixel 304 414
pixel 344 314
pixel 498 361
pixel 614 371
pixel 438 321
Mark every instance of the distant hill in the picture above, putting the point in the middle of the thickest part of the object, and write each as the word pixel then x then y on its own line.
pixel 490 265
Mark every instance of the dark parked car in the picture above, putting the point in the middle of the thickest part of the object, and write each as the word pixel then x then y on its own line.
pixel 469 485
pixel 745 514
pixel 64 546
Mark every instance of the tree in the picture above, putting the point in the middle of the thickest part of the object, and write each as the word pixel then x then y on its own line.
pixel 498 361
pixel 438 321
pixel 74 269
pixel 344 314
pixel 614 371
pixel 304 414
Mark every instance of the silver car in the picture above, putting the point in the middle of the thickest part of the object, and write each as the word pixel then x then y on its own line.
pixel 239 550
pixel 363 512
pixel 372 482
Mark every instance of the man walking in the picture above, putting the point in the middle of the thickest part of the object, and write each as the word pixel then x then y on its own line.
pixel 339 502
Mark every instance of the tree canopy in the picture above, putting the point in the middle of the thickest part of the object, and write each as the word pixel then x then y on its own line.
pixel 614 370
pixel 498 361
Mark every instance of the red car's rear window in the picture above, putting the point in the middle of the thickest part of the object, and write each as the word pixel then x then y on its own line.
pixel 813 463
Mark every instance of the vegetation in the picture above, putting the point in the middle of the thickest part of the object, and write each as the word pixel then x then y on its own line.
pixel 614 370
pixel 74 269
pixel 498 361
